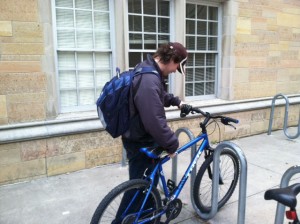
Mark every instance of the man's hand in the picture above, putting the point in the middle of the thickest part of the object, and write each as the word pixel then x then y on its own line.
pixel 172 155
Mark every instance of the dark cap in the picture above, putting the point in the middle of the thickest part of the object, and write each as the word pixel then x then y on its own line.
pixel 181 53
pixel 179 50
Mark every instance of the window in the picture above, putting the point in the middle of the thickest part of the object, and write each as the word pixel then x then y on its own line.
pixel 202 23
pixel 149 27
pixel 84 55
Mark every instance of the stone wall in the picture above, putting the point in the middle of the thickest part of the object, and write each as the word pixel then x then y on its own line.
pixel 28 160
pixel 22 82
pixel 267 48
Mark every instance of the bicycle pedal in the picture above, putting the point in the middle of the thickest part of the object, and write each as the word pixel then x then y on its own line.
pixel 171 185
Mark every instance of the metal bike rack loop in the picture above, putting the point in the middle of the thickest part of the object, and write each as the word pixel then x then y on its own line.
pixel 285 124
pixel 175 160
pixel 215 183
pixel 286 177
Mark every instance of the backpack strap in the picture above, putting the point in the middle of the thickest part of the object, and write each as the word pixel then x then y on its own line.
pixel 141 71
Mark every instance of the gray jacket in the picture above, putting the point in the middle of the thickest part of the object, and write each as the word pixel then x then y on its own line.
pixel 148 123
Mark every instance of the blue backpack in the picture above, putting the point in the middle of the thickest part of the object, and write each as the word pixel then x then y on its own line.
pixel 113 102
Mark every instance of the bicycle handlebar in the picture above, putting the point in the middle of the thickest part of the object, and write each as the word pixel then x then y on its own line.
pixel 224 120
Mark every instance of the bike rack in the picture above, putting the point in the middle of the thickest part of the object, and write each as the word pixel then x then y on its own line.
pixel 286 177
pixel 285 117
pixel 193 151
pixel 215 183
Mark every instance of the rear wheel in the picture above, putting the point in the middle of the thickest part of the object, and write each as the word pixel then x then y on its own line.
pixel 229 173
pixel 123 202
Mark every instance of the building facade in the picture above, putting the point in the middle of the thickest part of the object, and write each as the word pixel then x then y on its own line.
pixel 56 55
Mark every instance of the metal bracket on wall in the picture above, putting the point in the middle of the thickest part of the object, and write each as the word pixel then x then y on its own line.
pixel 286 114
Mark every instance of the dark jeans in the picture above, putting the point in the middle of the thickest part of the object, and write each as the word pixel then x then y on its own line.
pixel 138 164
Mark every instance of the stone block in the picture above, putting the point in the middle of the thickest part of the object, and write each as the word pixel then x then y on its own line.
pixel 31 150
pixel 16 10
pixel 5 29
pixel 258 127
pixel 20 66
pixel 288 20
pixel 103 155
pixel 10 155
pixel 27 32
pixel 15 83
pixel 24 170
pixel 65 163
pixel 244 25
pixel 22 48
pixel 3 110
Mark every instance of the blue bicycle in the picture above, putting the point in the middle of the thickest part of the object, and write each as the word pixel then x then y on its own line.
pixel 139 201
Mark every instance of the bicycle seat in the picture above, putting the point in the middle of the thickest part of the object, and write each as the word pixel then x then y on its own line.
pixel 152 152
pixel 285 196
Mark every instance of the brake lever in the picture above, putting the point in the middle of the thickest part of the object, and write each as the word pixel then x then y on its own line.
pixel 232 126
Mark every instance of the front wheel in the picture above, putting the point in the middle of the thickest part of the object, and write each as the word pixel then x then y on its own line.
pixel 229 173
pixel 123 203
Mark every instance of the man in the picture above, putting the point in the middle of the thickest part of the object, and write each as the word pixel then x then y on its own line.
pixel 148 97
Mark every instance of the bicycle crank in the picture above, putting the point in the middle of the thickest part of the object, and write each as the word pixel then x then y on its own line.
pixel 173 209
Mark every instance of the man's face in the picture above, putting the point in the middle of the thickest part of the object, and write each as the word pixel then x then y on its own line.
pixel 170 68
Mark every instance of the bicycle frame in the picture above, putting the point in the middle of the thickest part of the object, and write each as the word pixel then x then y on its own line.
pixel 159 170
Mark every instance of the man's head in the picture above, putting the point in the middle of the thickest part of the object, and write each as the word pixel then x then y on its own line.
pixel 173 55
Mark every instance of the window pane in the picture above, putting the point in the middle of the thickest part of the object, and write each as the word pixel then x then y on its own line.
pixel 134 58
pixel 201 12
pixel 190 11
pixel 210 59
pixel 135 23
pixel 134 6
pixel 162 39
pixel 64 18
pixel 163 8
pixel 85 61
pixel 64 3
pixel 149 24
pixel 189 74
pixel 66 60
pixel 101 21
pixel 135 41
pixel 86 97
pixel 212 43
pixel 67 79
pixel 199 59
pixel 83 19
pixel 213 13
pixel 201 43
pixel 190 43
pixel 210 74
pixel 84 38
pixel 66 38
pixel 150 41
pixel 212 28
pixel 102 60
pixel 150 7
pixel 101 5
pixel 85 79
pixel 101 78
pixel 199 74
pixel 210 88
pixel 102 40
pixel 199 89
pixel 189 89
pixel 163 25
pixel 83 4
pixel 190 27
pixel 68 98
pixel 201 28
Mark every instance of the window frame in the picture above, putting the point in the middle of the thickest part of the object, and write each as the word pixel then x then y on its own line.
pixel 218 52
pixel 75 50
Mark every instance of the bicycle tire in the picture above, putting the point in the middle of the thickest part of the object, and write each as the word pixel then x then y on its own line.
pixel 107 210
pixel 202 188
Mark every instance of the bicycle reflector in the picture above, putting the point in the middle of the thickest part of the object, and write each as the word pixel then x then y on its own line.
pixel 292 215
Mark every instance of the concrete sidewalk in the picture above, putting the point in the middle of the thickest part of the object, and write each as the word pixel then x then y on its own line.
pixel 72 198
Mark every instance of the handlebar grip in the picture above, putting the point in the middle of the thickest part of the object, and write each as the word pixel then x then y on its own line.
pixel 226 120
